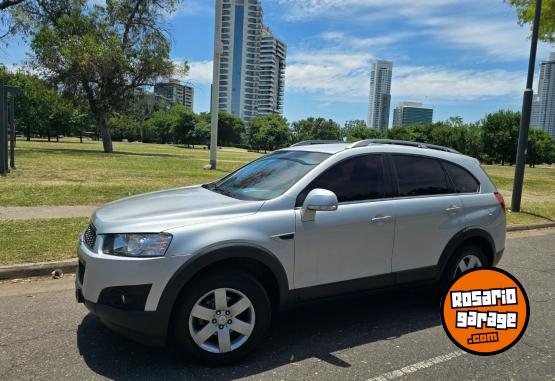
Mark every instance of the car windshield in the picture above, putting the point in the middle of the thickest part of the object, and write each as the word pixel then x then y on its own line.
pixel 268 177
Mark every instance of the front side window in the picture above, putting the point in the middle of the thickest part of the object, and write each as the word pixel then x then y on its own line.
pixel 463 181
pixel 420 176
pixel 359 178
pixel 268 177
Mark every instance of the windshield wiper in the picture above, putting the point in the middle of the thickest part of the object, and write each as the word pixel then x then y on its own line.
pixel 224 192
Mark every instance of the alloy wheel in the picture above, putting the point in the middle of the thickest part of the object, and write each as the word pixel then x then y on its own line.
pixel 222 320
pixel 467 263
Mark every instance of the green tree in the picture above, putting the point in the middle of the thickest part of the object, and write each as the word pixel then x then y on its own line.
pixel 500 136
pixel 468 140
pixel 316 129
pixel 186 121
pixel 124 127
pixel 39 108
pixel 103 51
pixel 442 134
pixel 355 130
pixel 161 126
pixel 402 133
pixel 200 134
pixel 526 9
pixel 268 132
pixel 541 148
pixel 230 128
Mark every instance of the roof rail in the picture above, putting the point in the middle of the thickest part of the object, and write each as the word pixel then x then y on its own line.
pixel 314 142
pixel 365 143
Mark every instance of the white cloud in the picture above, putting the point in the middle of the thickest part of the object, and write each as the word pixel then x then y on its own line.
pixel 330 73
pixel 486 29
pixel 440 83
pixel 200 71
pixel 343 39
pixel 303 9
pixel 501 39
pixel 345 77
pixel 192 8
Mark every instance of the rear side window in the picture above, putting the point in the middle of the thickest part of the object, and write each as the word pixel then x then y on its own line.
pixel 420 176
pixel 464 182
pixel 359 178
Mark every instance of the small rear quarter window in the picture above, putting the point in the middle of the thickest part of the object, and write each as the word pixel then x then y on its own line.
pixel 463 181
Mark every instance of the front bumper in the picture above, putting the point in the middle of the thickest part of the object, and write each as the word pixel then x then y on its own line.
pixel 98 275
pixel 144 327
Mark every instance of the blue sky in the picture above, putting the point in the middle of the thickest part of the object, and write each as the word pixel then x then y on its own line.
pixel 462 57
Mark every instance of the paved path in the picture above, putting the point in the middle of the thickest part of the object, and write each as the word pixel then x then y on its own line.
pixel 28 213
pixel 44 334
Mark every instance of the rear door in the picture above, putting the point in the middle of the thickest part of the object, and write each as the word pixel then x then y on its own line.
pixel 428 212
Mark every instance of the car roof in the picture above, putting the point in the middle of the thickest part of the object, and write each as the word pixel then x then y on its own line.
pixel 323 148
pixel 337 148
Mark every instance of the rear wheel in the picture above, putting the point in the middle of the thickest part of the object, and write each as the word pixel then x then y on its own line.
pixel 466 258
pixel 221 318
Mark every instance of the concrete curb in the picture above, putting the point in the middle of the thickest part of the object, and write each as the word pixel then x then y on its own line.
pixel 27 270
pixel 520 228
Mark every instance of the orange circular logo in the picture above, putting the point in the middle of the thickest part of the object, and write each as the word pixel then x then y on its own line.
pixel 485 311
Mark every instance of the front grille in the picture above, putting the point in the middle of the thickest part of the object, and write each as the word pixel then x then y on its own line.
pixel 89 237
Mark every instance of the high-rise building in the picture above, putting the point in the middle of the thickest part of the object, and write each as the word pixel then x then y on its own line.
pixel 241 35
pixel 252 64
pixel 535 116
pixel 176 93
pixel 380 95
pixel 409 113
pixel 271 88
pixel 189 97
pixel 546 96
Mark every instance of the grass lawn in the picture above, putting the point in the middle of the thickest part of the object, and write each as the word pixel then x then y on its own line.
pixel 538 202
pixel 70 173
pixel 39 240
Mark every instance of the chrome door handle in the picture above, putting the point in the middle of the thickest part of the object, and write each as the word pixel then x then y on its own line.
pixel 453 208
pixel 380 218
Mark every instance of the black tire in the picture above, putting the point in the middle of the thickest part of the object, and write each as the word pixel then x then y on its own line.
pixel 239 281
pixel 462 252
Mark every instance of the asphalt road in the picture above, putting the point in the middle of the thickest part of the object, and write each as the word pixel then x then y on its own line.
pixel 44 334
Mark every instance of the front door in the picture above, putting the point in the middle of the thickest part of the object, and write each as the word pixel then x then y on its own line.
pixel 355 241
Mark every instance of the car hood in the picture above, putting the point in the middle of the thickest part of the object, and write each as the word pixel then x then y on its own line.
pixel 161 211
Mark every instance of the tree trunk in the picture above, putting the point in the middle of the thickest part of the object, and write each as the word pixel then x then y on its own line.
pixel 105 133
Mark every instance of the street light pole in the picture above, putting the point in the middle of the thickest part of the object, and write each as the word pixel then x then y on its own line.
pixel 526 115
pixel 216 86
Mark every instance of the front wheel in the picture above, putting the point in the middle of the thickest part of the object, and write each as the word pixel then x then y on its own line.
pixel 221 318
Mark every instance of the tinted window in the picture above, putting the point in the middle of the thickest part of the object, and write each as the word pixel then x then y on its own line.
pixel 357 179
pixel 464 182
pixel 420 176
pixel 269 176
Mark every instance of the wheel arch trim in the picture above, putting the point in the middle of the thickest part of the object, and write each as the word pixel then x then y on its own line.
pixel 212 256
pixel 458 239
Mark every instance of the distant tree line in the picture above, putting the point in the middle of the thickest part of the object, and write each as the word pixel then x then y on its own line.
pixel 42 110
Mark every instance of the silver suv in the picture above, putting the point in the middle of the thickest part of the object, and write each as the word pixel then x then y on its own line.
pixel 205 267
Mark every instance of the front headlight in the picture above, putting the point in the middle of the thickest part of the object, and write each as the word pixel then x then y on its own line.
pixel 137 245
